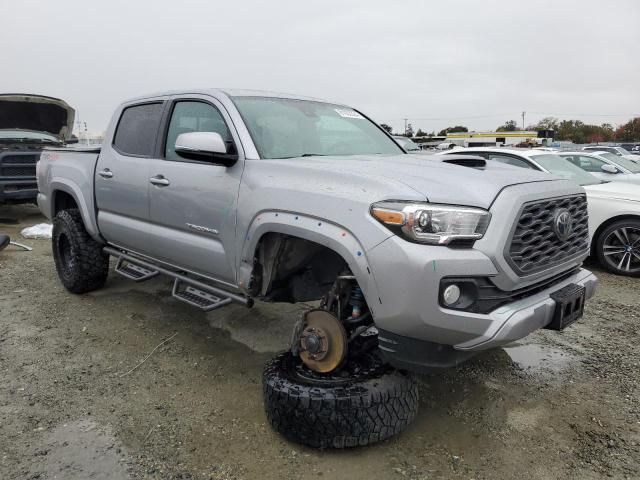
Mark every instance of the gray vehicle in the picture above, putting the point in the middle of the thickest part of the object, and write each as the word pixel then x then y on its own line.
pixel 28 123
pixel 243 195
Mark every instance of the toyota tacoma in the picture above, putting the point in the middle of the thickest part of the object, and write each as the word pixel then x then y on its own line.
pixel 243 195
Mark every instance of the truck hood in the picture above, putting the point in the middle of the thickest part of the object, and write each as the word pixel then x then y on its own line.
pixel 438 182
pixel 37 113
pixel 620 190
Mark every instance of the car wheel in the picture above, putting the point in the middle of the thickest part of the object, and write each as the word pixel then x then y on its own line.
pixel 80 261
pixel 364 402
pixel 618 248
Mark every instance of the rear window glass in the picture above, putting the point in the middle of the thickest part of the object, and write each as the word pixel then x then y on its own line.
pixel 137 129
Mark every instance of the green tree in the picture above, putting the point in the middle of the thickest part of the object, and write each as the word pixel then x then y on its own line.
pixel 387 128
pixel 409 131
pixel 547 123
pixel 457 128
pixel 629 132
pixel 509 126
pixel 420 133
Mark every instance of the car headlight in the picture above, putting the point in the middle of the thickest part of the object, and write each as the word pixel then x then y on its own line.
pixel 432 223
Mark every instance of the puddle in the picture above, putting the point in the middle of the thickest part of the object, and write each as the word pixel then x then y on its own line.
pixel 533 357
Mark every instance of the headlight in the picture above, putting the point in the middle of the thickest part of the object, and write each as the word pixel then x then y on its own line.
pixel 432 223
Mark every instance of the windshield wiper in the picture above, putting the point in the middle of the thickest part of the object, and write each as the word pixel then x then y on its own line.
pixel 313 155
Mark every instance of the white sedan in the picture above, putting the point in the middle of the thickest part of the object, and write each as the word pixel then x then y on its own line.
pixel 605 166
pixel 618 151
pixel 614 207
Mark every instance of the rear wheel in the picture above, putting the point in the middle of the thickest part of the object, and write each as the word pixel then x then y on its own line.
pixel 618 247
pixel 366 401
pixel 80 261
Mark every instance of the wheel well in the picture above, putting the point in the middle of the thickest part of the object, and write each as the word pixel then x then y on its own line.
pixel 63 201
pixel 605 224
pixel 293 269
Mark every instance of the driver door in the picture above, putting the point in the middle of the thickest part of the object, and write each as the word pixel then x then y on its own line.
pixel 192 204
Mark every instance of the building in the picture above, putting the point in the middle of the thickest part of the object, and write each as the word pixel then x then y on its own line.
pixel 498 139
pixel 88 138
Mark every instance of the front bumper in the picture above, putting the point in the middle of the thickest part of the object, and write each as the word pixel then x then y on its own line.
pixel 416 330
pixel 18 191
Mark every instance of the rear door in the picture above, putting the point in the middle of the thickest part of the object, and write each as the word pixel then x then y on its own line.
pixel 122 176
pixel 193 203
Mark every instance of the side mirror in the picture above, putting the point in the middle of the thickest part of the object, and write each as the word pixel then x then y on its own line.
pixel 71 140
pixel 608 168
pixel 204 146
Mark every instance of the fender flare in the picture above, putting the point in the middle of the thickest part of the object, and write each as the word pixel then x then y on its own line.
pixel 87 212
pixel 331 235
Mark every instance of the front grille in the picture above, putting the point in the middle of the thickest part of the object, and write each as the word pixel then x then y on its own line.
pixel 29 171
pixel 535 246
pixel 20 186
pixel 20 159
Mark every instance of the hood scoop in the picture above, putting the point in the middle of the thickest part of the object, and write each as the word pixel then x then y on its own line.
pixel 20 111
pixel 472 162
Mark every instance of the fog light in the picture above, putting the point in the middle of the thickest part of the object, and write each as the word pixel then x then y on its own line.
pixel 451 295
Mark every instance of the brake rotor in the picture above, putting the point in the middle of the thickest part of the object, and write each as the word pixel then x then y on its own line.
pixel 323 341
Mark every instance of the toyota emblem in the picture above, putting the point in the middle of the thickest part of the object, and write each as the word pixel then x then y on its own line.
pixel 563 224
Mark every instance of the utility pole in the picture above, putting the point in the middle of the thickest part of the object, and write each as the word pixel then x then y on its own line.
pixel 523 114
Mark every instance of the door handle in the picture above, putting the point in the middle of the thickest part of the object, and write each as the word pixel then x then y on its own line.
pixel 105 173
pixel 160 181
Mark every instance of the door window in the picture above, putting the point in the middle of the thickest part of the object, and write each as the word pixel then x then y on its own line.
pixel 588 164
pixel 192 116
pixel 137 130
pixel 509 160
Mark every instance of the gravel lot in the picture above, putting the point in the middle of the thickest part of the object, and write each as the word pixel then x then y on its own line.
pixel 556 405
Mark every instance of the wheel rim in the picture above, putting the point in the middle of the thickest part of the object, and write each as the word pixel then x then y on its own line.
pixel 364 366
pixel 65 253
pixel 621 249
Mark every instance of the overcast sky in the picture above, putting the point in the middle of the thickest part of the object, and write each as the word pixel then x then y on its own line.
pixel 436 63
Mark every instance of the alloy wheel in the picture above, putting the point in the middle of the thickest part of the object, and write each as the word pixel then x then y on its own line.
pixel 621 249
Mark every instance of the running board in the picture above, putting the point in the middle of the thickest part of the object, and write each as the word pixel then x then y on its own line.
pixel 133 271
pixel 207 296
pixel 196 297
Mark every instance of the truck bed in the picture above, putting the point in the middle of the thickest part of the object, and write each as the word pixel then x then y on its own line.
pixel 69 170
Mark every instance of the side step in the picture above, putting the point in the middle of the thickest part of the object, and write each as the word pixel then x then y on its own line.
pixel 188 289
pixel 133 271
pixel 198 298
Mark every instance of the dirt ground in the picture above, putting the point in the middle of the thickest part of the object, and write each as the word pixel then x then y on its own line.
pixel 555 405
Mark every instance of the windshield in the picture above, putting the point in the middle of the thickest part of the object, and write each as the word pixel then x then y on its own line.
pixel 407 144
pixel 562 167
pixel 623 151
pixel 287 128
pixel 25 135
pixel 623 162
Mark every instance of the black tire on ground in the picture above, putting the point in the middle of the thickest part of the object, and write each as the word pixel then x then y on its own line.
pixel 366 402
pixel 80 262
pixel 618 247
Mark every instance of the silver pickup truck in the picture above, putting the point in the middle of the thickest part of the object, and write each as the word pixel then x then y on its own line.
pixel 243 195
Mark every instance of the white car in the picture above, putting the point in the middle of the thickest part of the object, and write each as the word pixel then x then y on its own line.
pixel 605 166
pixel 619 151
pixel 614 207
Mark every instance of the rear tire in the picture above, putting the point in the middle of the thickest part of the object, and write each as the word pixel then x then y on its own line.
pixel 618 248
pixel 80 261
pixel 358 406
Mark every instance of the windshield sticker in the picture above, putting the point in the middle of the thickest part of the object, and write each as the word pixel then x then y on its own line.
pixel 343 112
